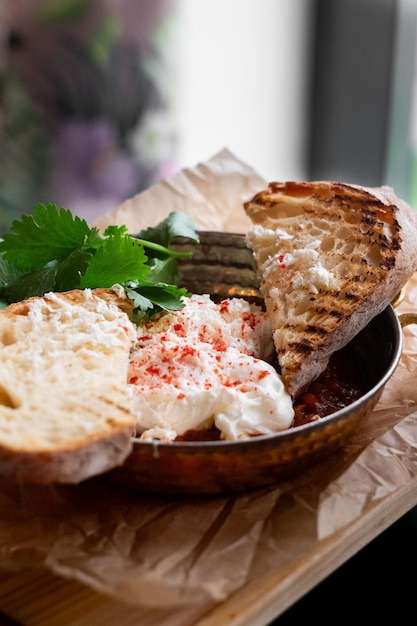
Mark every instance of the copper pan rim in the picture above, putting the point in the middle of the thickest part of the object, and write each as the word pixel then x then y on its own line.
pixel 290 433
pixel 225 268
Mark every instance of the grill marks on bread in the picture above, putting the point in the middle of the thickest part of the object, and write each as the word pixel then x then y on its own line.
pixel 331 256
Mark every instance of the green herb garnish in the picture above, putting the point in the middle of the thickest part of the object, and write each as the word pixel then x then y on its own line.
pixel 52 250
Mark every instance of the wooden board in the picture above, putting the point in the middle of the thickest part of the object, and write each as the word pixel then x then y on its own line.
pixel 40 598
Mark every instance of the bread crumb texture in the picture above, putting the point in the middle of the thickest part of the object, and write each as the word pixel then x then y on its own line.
pixel 63 392
pixel 331 257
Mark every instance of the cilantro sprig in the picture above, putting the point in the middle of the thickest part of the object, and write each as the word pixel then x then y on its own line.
pixel 52 250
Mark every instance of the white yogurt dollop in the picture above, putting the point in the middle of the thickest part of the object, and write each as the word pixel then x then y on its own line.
pixel 204 365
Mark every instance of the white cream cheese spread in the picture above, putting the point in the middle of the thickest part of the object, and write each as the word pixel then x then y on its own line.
pixel 302 265
pixel 206 364
pixel 76 325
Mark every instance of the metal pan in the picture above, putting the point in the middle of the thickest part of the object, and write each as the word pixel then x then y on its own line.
pixel 223 266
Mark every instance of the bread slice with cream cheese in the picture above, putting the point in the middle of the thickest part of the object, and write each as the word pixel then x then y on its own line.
pixel 65 407
pixel 331 256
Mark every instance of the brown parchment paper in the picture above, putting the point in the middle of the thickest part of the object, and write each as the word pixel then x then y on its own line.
pixel 161 552
pixel 212 193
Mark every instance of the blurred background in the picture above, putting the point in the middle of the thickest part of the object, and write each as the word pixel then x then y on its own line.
pixel 99 99
pixel 246 81
pixel 303 89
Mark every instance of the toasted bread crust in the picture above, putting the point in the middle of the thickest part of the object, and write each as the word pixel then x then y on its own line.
pixel 349 250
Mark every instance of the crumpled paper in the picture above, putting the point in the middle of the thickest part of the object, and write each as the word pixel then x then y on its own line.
pixel 389 460
pixel 160 551
pixel 212 193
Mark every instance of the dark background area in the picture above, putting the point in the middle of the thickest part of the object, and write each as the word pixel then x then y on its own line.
pixel 362 76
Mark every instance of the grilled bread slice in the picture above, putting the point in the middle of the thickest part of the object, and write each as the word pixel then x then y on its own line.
pixel 331 257
pixel 65 409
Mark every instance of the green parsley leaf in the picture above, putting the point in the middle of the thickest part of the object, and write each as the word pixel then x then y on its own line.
pixel 118 260
pixel 177 224
pixel 32 284
pixel 8 272
pixel 151 299
pixel 71 269
pixel 47 235
pixel 165 296
pixel 53 251
pixel 114 230
pixel 163 271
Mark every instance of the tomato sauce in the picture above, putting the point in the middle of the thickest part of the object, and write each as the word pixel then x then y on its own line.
pixel 336 388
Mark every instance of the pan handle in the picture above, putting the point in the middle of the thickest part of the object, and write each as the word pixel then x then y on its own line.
pixel 404 318
pixel 399 297
pixel 407 318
